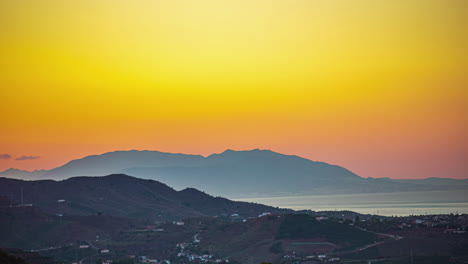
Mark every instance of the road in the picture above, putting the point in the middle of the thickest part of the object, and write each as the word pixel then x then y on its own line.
pixel 50 248
pixel 390 237
pixel 85 258
pixel 196 239
pixel 250 247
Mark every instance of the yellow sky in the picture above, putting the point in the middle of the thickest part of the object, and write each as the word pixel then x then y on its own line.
pixel 379 87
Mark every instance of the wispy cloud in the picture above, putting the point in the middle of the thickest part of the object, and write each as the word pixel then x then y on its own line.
pixel 27 158
pixel 5 156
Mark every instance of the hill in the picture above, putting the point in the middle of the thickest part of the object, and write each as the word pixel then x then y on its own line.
pixel 271 237
pixel 123 196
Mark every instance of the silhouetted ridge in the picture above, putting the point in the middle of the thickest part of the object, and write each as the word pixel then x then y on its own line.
pixel 123 196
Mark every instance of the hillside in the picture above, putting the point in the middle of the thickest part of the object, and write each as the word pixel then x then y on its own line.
pixel 271 237
pixel 32 228
pixel 123 196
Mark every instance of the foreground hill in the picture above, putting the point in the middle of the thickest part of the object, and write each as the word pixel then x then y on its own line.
pixel 31 228
pixel 74 220
pixel 123 196
pixel 271 237
pixel 237 174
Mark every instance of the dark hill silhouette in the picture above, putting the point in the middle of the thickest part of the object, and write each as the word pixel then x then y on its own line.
pixel 123 196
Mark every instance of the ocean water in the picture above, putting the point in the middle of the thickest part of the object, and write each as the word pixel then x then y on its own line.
pixel 388 204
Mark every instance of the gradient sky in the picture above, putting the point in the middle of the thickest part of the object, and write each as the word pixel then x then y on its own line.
pixel 379 87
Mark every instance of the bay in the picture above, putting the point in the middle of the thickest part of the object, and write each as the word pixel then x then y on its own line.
pixel 387 204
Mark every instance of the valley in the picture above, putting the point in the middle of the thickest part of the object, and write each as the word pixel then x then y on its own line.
pixel 122 219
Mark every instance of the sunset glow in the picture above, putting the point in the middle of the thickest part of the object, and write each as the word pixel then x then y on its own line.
pixel 378 87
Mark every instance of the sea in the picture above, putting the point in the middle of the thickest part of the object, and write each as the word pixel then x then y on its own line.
pixel 386 204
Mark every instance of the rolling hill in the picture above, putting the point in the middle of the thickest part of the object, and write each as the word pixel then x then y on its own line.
pixel 123 196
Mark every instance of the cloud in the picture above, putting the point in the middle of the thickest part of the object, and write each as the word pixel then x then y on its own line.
pixel 27 158
pixel 5 156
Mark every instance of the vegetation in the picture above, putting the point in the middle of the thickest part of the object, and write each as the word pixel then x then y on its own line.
pixel 124 261
pixel 277 247
pixel 6 258
pixel 297 226
pixel 414 260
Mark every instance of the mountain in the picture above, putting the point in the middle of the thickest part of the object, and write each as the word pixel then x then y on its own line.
pixel 437 181
pixel 114 162
pixel 241 174
pixel 123 196
pixel 231 173
pixel 23 174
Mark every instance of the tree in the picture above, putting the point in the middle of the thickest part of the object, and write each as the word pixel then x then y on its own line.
pixel 277 247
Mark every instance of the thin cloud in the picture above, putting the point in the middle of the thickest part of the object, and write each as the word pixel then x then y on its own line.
pixel 5 156
pixel 27 158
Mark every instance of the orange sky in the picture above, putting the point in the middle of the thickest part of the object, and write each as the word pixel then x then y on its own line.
pixel 379 87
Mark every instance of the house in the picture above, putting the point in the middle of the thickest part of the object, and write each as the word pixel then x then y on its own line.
pixel 264 214
pixel 419 221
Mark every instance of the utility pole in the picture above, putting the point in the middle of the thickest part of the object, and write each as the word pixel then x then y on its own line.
pixel 411 256
pixel 22 201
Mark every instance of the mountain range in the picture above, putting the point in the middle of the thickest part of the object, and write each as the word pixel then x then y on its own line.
pixel 23 174
pixel 236 174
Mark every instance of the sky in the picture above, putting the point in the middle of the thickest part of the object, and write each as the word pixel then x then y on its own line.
pixel 379 87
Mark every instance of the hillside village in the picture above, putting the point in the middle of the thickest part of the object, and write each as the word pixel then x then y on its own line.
pixel 189 252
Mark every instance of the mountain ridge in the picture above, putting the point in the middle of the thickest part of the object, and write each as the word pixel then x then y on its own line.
pixel 23 174
pixel 240 174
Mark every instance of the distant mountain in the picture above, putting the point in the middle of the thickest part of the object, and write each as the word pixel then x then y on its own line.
pixel 23 174
pixel 123 196
pixel 436 181
pixel 114 162
pixel 236 174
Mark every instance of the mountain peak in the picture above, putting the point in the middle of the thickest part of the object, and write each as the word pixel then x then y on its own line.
pixel 10 170
pixel 22 174
pixel 240 152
